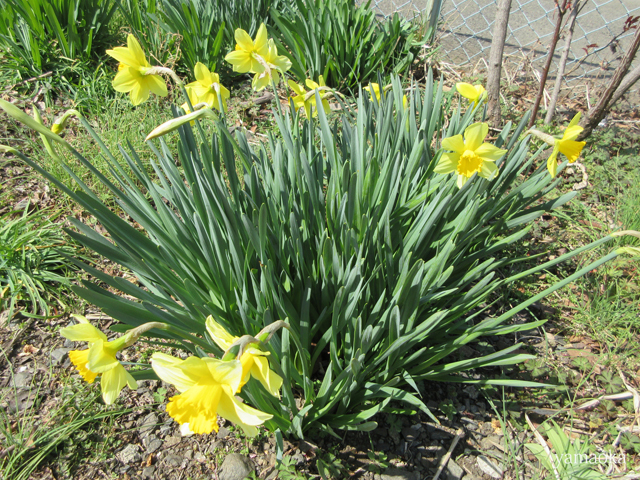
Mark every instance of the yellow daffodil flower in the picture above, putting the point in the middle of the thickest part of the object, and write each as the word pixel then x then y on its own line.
pixel 474 93
pixel 470 155
pixel 99 358
pixel 376 90
pixel 274 64
pixel 131 77
pixel 253 360
pixel 207 389
pixel 259 56
pixel 303 99
pixel 243 58
pixel 567 145
pixel 205 88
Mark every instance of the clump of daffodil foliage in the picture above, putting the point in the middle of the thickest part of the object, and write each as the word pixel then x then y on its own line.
pixel 340 272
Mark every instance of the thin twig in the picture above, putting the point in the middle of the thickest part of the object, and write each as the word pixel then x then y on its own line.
pixel 445 459
pixel 44 75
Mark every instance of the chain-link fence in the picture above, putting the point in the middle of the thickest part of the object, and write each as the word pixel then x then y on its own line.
pixel 465 30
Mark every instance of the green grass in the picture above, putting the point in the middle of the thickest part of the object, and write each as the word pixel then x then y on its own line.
pixel 63 429
pixel 33 270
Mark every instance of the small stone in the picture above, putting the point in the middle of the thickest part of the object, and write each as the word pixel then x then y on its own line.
pixel 173 440
pixel 490 468
pixel 22 379
pixel 223 433
pixel 235 467
pixel 59 355
pixel 299 459
pixel 399 474
pixel 453 470
pixel 153 445
pixel 173 460
pixel 200 458
pixel 147 424
pixel 305 446
pixel 410 434
pixel 147 472
pixel 490 442
pixel 129 454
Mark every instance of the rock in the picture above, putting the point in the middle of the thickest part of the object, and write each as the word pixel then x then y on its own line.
pixel 410 434
pixel 129 454
pixel 147 424
pixel 173 440
pixel 299 459
pixel 453 470
pixel 223 433
pixel 152 443
pixel 147 472
pixel 490 442
pixel 22 379
pixel 235 467
pixel 173 460
pixel 490 468
pixel 60 355
pixel 399 474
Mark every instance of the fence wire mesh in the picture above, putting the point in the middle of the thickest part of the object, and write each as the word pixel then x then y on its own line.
pixel 465 29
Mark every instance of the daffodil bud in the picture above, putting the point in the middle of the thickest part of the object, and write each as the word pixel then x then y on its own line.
pixel 7 149
pixel 633 251
pixel 30 122
pixel 172 125
pixel 60 124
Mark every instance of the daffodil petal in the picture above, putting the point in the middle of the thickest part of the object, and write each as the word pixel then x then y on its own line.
pixel 297 88
pixel 113 381
pixel 461 181
pixel 125 80
pixel 100 360
pixel 282 63
pixel 139 94
pixel 488 170
pixel 448 163
pixel 218 333
pixel 240 60
pixel 227 373
pixel 166 367
pixel 201 72
pixel 552 163
pixel 239 413
pixel 468 91
pixel 572 132
pixel 490 152
pixel 261 44
pixel 155 84
pixel 243 39
pixel 269 379
pixel 474 135
pixel 455 143
pixel 136 50
pixel 124 56
pixel 575 120
pixel 83 332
